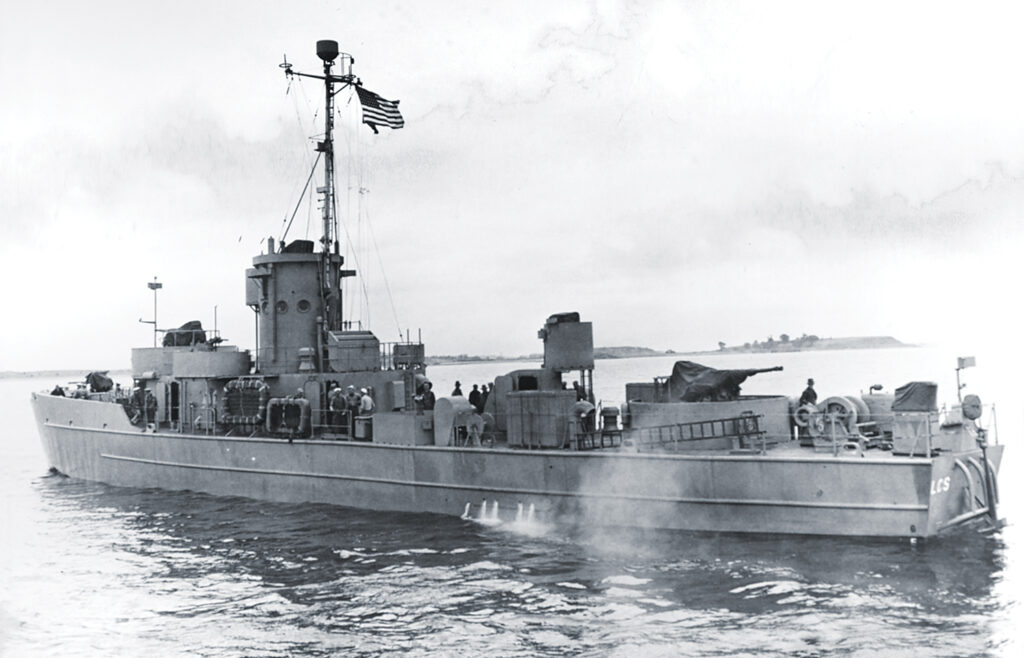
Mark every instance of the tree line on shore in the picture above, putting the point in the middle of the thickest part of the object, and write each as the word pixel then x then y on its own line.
pixel 784 343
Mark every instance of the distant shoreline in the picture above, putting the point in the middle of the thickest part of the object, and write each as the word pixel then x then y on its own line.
pixel 62 373
pixel 818 344
pixel 600 353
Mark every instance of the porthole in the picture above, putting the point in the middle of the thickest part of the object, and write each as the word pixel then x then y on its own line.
pixel 303 306
pixel 282 306
pixel 265 307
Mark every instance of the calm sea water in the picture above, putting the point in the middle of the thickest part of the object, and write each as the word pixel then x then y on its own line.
pixel 92 570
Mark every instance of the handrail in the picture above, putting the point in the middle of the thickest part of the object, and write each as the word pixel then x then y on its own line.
pixel 596 439
pixel 204 415
pixel 387 353
pixel 339 422
pixel 930 417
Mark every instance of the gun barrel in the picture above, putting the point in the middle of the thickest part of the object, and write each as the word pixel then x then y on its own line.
pixel 757 370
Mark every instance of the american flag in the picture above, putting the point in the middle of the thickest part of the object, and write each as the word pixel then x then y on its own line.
pixel 379 111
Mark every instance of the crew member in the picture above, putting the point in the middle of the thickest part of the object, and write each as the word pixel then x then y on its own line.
pixel 458 389
pixel 586 414
pixel 365 403
pixel 337 404
pixel 352 404
pixel 427 398
pixel 352 399
pixel 474 399
pixel 809 396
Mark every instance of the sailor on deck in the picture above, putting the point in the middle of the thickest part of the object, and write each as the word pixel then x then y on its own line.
pixel 427 399
pixel 365 403
pixel 585 412
pixel 809 396
pixel 337 404
pixel 474 398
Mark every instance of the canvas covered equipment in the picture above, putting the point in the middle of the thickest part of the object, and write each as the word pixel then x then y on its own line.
pixel 693 382
pixel 190 333
pixel 916 396
pixel 99 382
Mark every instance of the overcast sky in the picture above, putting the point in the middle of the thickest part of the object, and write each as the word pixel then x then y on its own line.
pixel 680 173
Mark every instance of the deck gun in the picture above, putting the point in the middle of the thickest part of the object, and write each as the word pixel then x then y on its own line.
pixel 693 382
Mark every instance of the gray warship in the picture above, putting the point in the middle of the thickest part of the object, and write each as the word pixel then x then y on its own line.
pixel 322 411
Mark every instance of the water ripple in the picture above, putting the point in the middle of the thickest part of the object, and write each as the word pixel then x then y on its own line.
pixel 127 572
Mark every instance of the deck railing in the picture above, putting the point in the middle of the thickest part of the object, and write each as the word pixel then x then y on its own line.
pixel 333 424
pixel 392 357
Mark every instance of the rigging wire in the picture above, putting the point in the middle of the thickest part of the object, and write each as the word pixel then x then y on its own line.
pixel 383 274
pixel 315 112
pixel 340 226
pixel 365 222
pixel 360 246
pixel 364 218
pixel 355 257
pixel 286 223
pixel 311 111
pixel 355 169
pixel 352 247
pixel 302 195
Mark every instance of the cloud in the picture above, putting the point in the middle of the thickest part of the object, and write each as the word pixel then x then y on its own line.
pixel 681 174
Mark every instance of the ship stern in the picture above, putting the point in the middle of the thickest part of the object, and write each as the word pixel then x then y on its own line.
pixel 964 488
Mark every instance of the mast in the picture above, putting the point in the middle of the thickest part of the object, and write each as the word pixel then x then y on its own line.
pixel 330 259
pixel 328 52
pixel 296 289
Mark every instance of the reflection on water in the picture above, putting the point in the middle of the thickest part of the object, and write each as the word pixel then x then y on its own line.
pixel 126 571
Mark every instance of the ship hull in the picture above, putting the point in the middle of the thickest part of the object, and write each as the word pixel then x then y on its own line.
pixel 800 493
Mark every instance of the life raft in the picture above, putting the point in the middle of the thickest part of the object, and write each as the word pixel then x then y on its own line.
pixel 288 417
pixel 245 401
